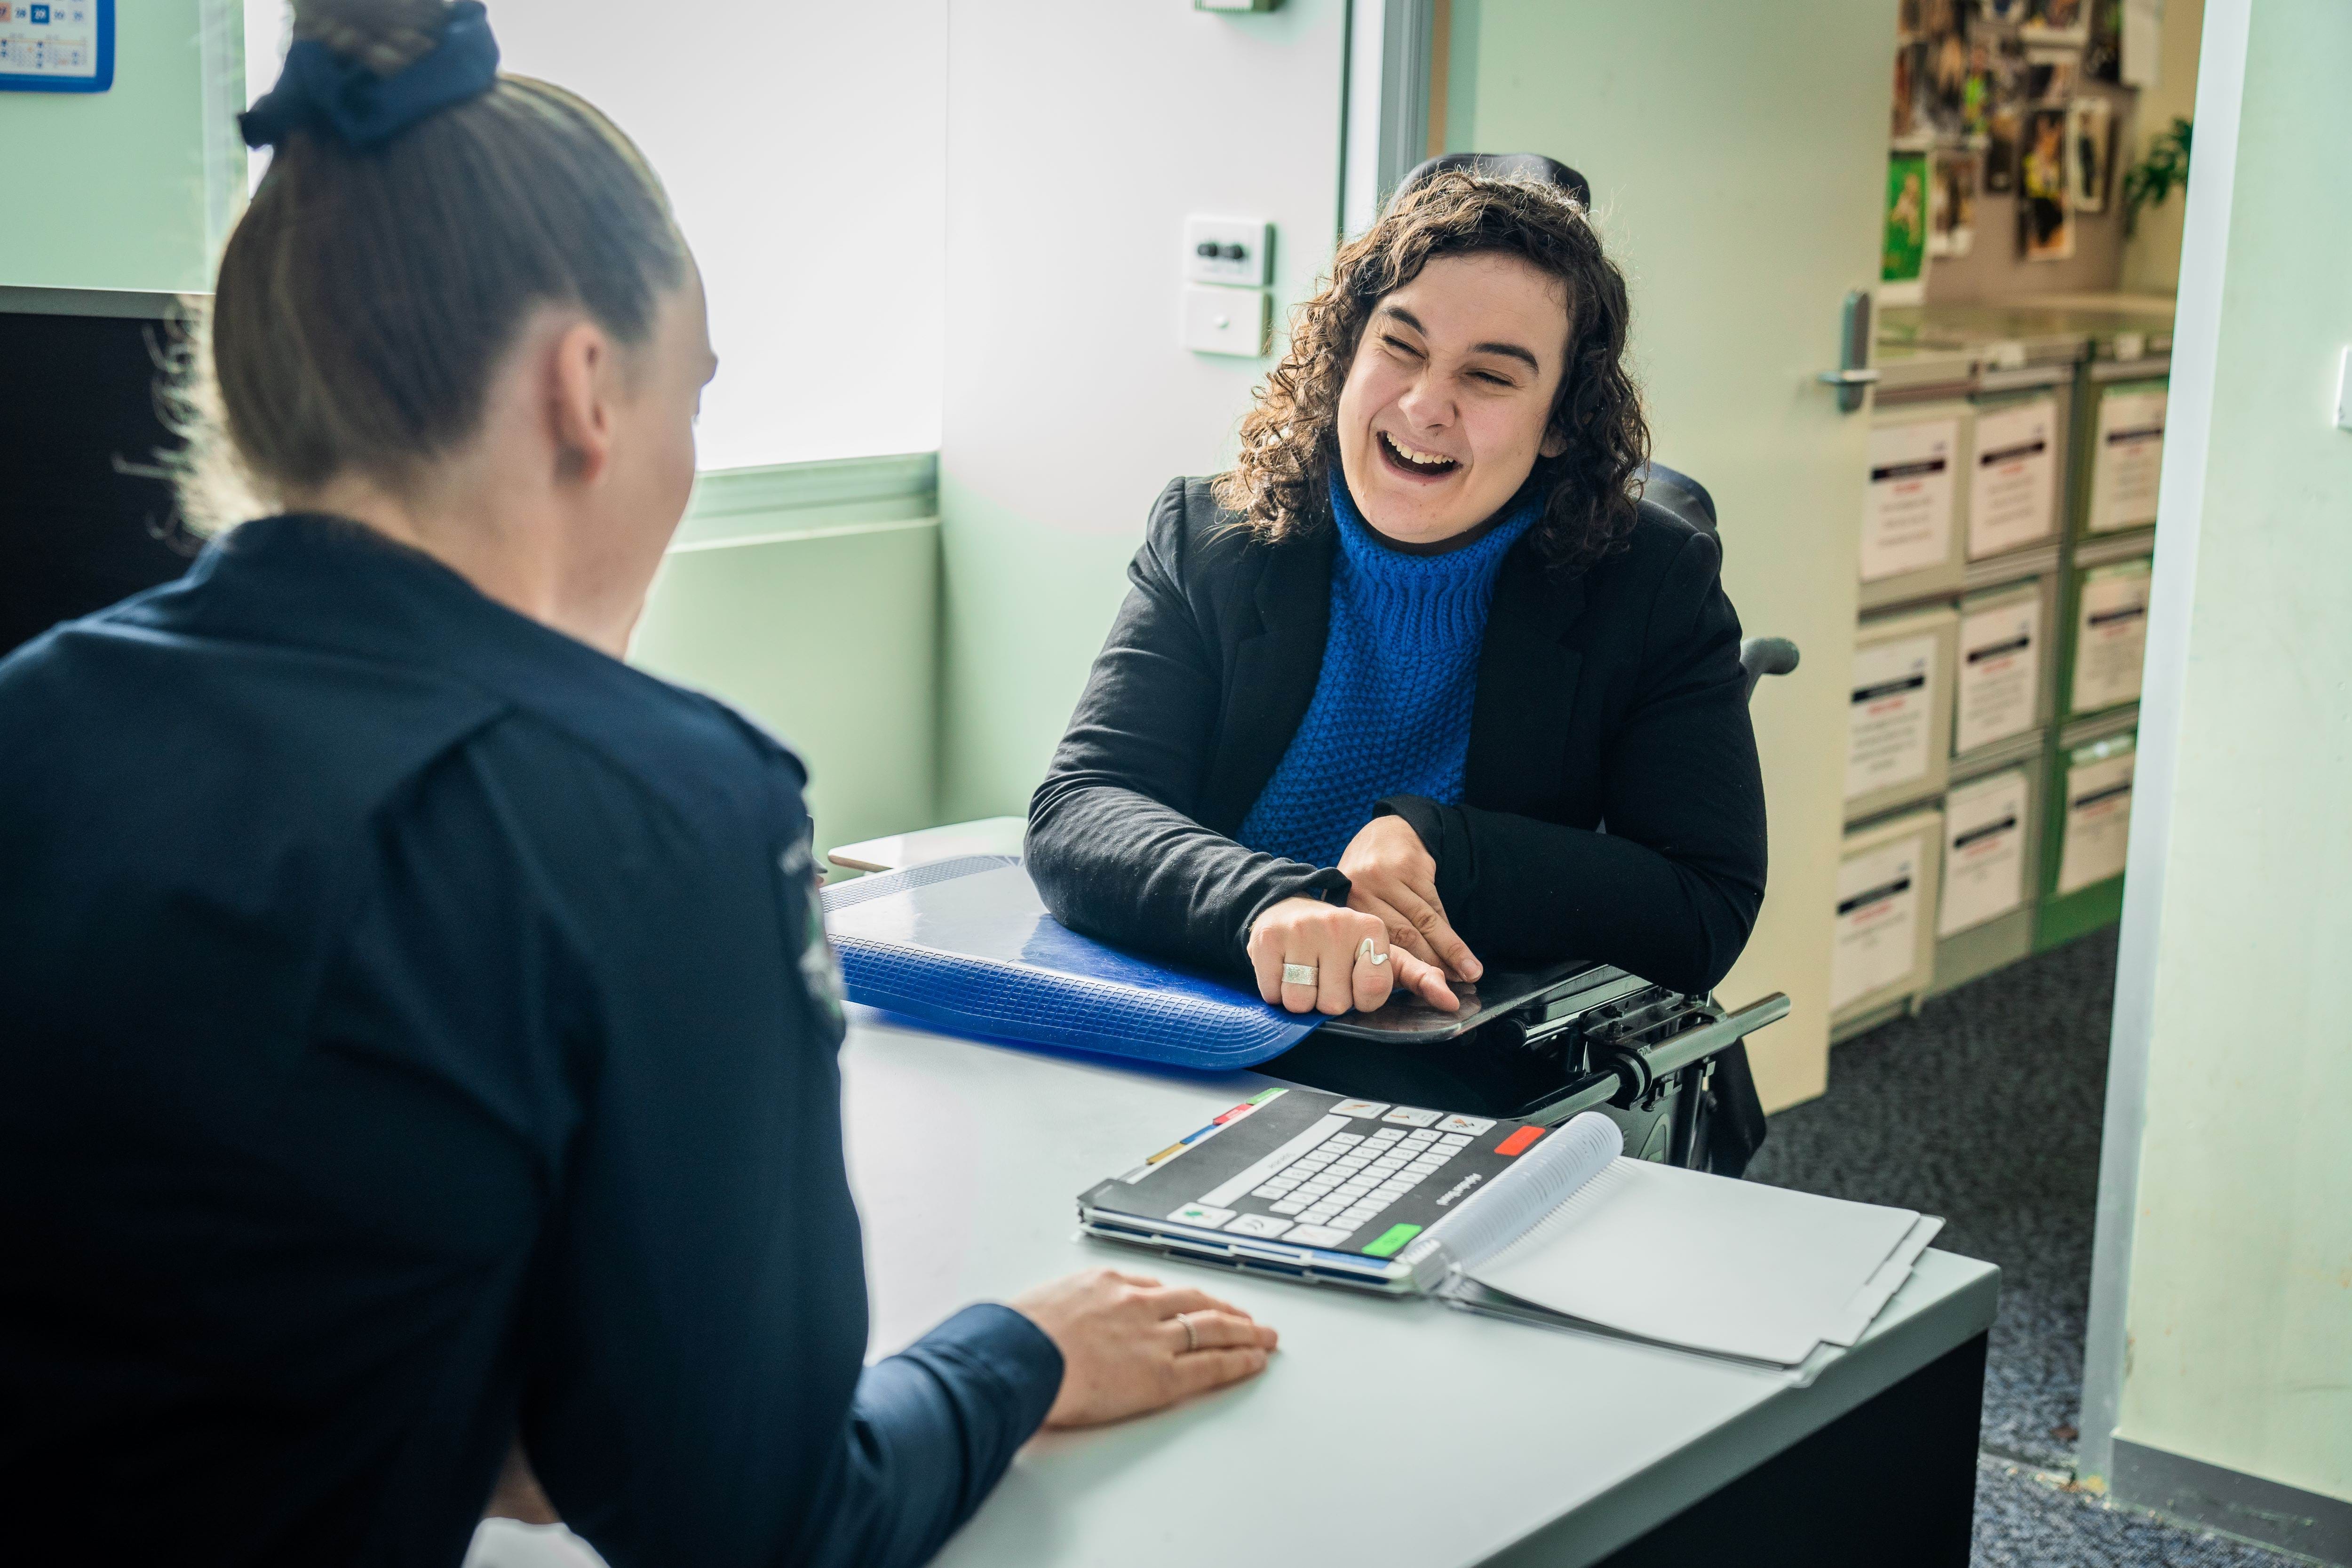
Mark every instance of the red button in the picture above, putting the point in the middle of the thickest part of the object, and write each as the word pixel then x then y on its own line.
pixel 1517 1141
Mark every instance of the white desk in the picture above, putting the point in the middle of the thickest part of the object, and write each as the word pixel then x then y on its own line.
pixel 1384 1432
pixel 989 835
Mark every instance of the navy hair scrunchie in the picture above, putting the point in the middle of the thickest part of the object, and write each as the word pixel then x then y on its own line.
pixel 323 90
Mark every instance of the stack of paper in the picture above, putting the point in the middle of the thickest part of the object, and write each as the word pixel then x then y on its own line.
pixel 1732 1267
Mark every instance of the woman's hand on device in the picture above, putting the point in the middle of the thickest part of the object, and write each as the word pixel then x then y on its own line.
pixel 1130 1344
pixel 1310 956
pixel 1394 878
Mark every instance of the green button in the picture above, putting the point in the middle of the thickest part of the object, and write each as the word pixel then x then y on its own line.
pixel 1396 1236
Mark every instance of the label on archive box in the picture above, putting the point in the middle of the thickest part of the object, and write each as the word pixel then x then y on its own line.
pixel 2098 818
pixel 2013 483
pixel 1907 518
pixel 2128 460
pixel 2000 674
pixel 1984 852
pixel 1887 724
pixel 2110 635
pixel 1877 942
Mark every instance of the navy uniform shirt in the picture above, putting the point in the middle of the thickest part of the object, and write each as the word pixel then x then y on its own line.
pixel 415 1029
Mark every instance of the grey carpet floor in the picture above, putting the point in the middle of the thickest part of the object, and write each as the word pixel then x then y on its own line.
pixel 1985 1109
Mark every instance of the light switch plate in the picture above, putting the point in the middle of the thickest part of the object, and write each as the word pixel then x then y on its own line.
pixel 1237 251
pixel 1226 320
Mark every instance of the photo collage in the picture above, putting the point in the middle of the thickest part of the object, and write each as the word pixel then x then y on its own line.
pixel 1994 98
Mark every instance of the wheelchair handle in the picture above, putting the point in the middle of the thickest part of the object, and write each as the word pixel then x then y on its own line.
pixel 1669 1056
pixel 1612 1086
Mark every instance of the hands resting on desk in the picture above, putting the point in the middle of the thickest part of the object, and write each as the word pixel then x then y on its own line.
pixel 1393 931
pixel 1125 1345
pixel 1125 1352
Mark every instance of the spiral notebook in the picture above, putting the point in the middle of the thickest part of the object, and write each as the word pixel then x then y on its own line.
pixel 967 945
pixel 1547 1226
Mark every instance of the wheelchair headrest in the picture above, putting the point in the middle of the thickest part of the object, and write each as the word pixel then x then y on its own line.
pixel 1678 493
pixel 1532 167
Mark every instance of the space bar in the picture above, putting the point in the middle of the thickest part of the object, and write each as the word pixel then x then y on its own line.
pixel 1265 1170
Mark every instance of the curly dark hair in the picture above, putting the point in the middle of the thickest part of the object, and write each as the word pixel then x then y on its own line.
pixel 1279 487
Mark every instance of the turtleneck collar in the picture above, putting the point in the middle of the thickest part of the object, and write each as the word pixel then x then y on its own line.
pixel 1421 601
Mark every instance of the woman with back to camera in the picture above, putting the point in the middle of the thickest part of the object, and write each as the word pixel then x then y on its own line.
pixel 1376 691
pixel 419 1031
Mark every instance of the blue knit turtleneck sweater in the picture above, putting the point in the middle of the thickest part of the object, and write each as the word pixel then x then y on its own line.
pixel 1390 714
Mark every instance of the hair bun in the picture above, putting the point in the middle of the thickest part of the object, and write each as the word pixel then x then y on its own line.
pixel 385 36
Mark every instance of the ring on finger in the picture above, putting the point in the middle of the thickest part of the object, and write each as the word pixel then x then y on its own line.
pixel 1192 1334
pixel 1299 973
pixel 1365 950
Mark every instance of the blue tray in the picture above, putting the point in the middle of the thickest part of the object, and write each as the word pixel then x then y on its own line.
pixel 968 944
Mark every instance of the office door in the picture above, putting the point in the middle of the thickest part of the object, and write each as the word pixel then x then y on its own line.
pixel 1737 155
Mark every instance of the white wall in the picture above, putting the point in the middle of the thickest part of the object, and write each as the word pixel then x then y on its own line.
pixel 1078 141
pixel 2225 1245
pixel 806 156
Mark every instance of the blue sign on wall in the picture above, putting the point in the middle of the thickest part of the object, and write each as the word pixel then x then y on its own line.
pixel 59 45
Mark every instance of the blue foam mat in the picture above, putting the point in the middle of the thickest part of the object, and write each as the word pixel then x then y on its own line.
pixel 968 944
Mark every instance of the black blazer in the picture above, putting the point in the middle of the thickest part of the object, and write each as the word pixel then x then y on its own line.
pixel 1614 695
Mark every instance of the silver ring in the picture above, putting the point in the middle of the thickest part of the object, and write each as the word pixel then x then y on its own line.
pixel 1298 974
pixel 1191 1335
pixel 1366 952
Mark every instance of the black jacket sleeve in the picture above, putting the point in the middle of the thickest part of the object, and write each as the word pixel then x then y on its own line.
pixel 1671 888
pixel 695 1389
pixel 1112 845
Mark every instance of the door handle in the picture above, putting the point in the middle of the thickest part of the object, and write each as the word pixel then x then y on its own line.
pixel 1854 374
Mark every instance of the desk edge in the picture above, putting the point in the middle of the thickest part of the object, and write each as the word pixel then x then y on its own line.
pixel 1624 1513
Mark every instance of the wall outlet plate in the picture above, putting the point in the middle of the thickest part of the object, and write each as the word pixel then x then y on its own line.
pixel 1226 320
pixel 1236 250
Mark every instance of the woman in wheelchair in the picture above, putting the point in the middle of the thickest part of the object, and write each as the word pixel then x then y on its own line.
pixel 1423 684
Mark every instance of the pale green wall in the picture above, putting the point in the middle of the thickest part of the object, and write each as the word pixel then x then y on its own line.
pixel 2239 1315
pixel 830 640
pixel 107 190
pixel 1736 154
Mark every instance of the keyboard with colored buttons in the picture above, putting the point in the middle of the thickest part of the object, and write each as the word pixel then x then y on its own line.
pixel 1347 1181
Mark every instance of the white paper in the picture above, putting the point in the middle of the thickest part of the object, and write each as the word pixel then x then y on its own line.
pixel 1735 1267
pixel 1538 1181
pixel 2098 822
pixel 2128 460
pixel 1877 940
pixel 1999 675
pixel 1908 506
pixel 1866 1303
pixel 2111 636
pixel 1984 852
pixel 1907 519
pixel 2013 480
pixel 1887 728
